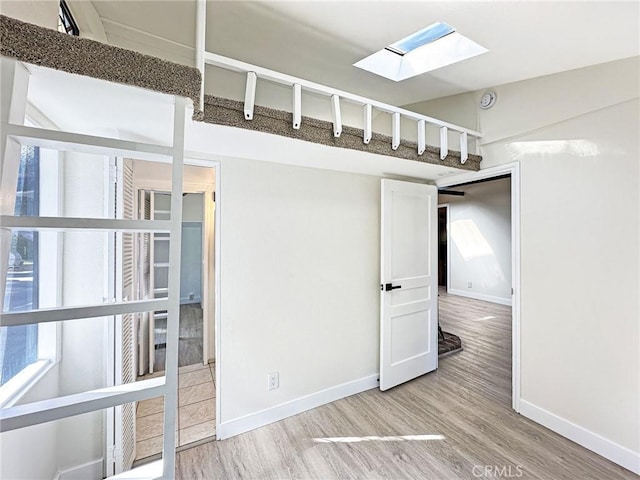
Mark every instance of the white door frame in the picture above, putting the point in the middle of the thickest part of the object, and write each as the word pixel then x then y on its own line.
pixel 512 169
pixel 217 275
pixel 196 159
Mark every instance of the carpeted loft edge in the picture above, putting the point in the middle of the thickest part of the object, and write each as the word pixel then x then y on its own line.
pixel 222 111
pixel 48 48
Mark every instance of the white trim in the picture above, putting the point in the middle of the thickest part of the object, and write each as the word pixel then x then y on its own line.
pixel 512 169
pixel 173 309
pixel 59 314
pixel 85 224
pixel 14 389
pixel 76 142
pixel 217 246
pixel 43 411
pixel 201 36
pixel 480 296
pixel 88 471
pixel 204 278
pixel 618 454
pixel 293 407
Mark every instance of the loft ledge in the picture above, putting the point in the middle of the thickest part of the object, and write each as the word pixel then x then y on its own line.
pixel 49 48
pixel 223 111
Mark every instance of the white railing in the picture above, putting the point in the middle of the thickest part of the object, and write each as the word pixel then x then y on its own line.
pixel 334 95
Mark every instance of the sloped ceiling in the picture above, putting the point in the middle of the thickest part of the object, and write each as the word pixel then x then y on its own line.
pixel 320 41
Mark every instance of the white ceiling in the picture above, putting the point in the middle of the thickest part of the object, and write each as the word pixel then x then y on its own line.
pixel 321 40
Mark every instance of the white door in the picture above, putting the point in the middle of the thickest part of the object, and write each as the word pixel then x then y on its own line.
pixel 409 282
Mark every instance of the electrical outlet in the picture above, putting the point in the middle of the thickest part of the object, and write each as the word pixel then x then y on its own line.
pixel 192 296
pixel 273 380
pixel 469 284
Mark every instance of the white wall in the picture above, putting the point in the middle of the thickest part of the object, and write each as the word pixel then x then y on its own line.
pixel 191 263
pixel 158 176
pixel 480 241
pixel 575 135
pixel 18 448
pixel 38 12
pixel 192 208
pixel 300 282
pixel 82 368
pixel 191 258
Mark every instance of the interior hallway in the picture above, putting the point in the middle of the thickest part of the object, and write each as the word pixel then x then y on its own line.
pixel 467 401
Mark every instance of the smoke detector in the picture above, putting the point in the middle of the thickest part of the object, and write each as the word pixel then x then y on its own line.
pixel 488 100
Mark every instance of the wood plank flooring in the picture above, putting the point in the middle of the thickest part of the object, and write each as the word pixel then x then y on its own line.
pixel 467 401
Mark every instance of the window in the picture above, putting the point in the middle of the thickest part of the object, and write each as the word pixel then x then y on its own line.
pixel 66 23
pixel 28 352
pixel 19 344
pixel 422 37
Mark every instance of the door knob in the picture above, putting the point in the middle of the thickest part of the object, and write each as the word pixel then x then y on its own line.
pixel 389 286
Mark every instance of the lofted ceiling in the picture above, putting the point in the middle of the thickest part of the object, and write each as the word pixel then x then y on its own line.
pixel 320 40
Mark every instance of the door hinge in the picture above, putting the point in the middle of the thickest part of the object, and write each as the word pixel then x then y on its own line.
pixel 512 290
pixel 113 173
pixel 113 453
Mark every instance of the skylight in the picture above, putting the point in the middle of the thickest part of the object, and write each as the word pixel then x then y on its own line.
pixel 433 47
pixel 421 37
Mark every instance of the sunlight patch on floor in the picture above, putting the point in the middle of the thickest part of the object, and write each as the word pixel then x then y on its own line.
pixel 482 319
pixel 398 438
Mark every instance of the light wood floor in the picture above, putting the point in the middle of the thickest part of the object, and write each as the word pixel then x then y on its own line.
pixel 467 401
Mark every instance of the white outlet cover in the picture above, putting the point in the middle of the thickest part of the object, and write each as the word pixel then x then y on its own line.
pixel 273 381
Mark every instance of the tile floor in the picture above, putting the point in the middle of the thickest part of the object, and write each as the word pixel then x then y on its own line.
pixel 196 412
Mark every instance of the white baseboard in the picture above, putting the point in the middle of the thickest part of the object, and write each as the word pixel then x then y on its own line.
pixel 480 296
pixel 596 443
pixel 264 417
pixel 87 471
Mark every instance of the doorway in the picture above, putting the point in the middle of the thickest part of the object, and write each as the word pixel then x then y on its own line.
pixel 489 243
pixel 191 342
pixel 147 191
